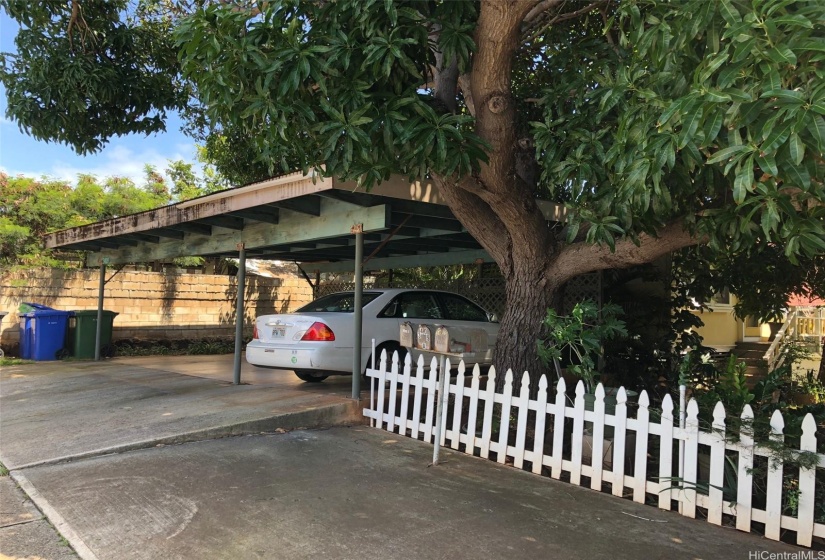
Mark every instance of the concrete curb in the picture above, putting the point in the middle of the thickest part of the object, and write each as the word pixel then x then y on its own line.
pixel 60 524
pixel 343 414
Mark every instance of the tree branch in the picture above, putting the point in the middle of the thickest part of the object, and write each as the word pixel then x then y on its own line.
pixel 540 8
pixel 539 28
pixel 581 258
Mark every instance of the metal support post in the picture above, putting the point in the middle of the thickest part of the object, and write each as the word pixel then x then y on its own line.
pixel 239 313
pixel 357 318
pixel 99 326
pixel 442 402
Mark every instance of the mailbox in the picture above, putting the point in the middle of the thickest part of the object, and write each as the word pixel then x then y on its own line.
pixel 405 338
pixel 442 340
pixel 424 338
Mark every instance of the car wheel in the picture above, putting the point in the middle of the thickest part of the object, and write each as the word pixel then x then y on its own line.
pixel 391 347
pixel 310 377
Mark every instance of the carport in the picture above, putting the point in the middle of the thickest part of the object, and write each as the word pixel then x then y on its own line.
pixel 322 224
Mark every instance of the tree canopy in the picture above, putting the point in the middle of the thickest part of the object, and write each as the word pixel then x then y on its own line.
pixel 31 207
pixel 658 125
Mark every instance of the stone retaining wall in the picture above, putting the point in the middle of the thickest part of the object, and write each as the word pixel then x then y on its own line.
pixel 151 305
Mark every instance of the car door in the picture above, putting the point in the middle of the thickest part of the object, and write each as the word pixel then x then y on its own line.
pixel 415 307
pixel 465 319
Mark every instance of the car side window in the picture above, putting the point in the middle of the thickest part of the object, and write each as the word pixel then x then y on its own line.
pixel 416 305
pixel 460 309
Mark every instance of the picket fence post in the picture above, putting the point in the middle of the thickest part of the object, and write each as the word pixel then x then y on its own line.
pixel 666 454
pixel 472 415
pixel 687 500
pixel 489 402
pixel 597 440
pixel 717 465
pixel 773 506
pixel 744 474
pixel 458 409
pixel 405 396
pixel 619 438
pixel 504 425
pixel 640 465
pixel 541 418
pixel 558 429
pixel 418 380
pixel 807 485
pixel 521 423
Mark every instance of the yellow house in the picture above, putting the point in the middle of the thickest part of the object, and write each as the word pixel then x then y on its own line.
pixel 722 330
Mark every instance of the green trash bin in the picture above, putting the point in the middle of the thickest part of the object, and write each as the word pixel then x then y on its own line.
pixel 82 331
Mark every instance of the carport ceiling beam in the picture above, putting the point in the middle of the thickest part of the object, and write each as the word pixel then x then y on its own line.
pixel 144 237
pixel 170 233
pixel 191 227
pixel 335 221
pixel 267 215
pixel 227 222
pixel 310 205
pixel 432 259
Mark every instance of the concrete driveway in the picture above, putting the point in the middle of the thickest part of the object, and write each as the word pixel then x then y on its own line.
pixel 83 441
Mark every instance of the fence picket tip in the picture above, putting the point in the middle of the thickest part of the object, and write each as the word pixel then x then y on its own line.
pixel 644 400
pixel 777 423
pixel 525 380
pixel 580 388
pixel 600 392
pixel 561 386
pixel 542 382
pixel 621 396
pixel 719 414
pixel 747 413
pixel 508 377
pixel 809 425
pixel 667 406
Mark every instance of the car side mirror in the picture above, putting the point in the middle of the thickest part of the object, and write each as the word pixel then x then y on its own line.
pixel 492 317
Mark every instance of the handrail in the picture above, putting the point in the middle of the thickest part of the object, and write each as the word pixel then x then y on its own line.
pixel 773 356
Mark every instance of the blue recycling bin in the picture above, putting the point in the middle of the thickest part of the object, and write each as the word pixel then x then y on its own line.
pixel 42 332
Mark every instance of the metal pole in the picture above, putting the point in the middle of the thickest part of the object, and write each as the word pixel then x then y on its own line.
pixel 439 412
pixel 682 416
pixel 239 312
pixel 358 318
pixel 99 325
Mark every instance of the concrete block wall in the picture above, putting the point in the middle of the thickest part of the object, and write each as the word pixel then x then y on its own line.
pixel 151 305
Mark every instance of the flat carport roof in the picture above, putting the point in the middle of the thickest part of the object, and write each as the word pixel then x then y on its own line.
pixel 329 224
pixel 299 218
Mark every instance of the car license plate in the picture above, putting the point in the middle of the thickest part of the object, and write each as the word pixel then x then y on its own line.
pixel 278 332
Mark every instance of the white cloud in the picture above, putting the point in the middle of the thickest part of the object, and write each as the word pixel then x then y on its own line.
pixel 117 160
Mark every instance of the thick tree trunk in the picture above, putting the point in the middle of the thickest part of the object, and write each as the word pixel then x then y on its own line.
pixel 528 298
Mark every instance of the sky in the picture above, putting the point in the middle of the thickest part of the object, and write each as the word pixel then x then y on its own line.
pixel 124 156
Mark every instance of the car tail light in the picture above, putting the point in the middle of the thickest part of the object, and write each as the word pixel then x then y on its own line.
pixel 255 332
pixel 319 332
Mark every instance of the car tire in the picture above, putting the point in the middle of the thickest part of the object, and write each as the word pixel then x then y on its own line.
pixel 391 347
pixel 310 377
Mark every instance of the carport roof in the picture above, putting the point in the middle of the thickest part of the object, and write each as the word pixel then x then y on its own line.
pixel 295 217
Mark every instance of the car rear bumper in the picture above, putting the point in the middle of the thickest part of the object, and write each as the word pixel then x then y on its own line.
pixel 321 356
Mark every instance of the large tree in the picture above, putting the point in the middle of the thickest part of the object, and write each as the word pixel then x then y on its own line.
pixel 658 125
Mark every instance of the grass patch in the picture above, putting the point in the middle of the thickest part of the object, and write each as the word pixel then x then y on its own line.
pixel 174 347
pixel 3 470
pixel 14 362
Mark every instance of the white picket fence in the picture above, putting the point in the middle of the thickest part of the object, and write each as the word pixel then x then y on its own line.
pixel 641 455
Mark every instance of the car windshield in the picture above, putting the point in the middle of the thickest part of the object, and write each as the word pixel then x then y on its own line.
pixel 337 303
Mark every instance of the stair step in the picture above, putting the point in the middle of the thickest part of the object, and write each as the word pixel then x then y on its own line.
pixel 763 346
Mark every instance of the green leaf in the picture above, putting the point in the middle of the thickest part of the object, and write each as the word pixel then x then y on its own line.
pixel 724 154
pixel 689 126
pixel 797 148
pixel 776 137
pixel 782 54
pixel 816 127
pixel 743 181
